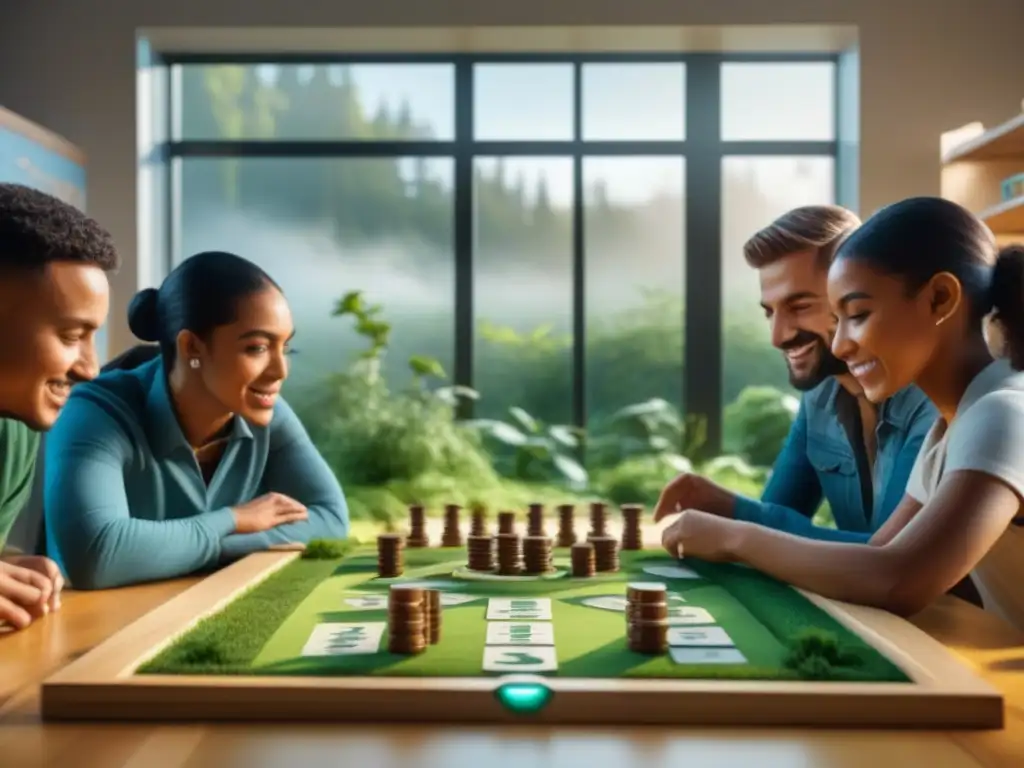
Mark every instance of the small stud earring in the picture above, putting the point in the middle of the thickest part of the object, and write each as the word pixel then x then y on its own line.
pixel 194 362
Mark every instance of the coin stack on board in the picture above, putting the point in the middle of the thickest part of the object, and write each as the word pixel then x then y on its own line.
pixel 598 520
pixel 481 552
pixel 390 560
pixel 537 555
pixel 417 527
pixel 478 526
pixel 647 617
pixel 632 536
pixel 566 525
pixel 432 618
pixel 407 625
pixel 452 534
pixel 506 522
pixel 606 553
pixel 582 556
pixel 508 554
pixel 535 520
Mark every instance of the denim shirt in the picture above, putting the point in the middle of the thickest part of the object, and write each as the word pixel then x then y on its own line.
pixel 824 457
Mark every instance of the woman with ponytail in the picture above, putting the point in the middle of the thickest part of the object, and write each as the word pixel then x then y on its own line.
pixel 911 290
pixel 182 455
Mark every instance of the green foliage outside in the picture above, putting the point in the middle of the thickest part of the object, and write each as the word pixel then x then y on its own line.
pixel 395 446
pixel 385 420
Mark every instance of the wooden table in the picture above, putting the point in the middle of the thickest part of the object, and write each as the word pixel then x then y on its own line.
pixel 990 646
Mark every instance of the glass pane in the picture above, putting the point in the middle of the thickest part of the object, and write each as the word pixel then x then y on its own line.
pixel 778 102
pixel 634 102
pixel 316 102
pixel 635 239
pixel 522 102
pixel 755 191
pixel 522 290
pixel 322 228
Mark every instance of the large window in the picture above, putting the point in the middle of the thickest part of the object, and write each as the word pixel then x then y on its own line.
pixel 561 234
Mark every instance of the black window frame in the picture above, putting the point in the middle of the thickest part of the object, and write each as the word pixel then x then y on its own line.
pixel 702 147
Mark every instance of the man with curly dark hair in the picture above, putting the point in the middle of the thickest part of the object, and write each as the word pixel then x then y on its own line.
pixel 54 296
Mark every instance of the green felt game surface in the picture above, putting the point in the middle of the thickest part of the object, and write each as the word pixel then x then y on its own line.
pixel 777 632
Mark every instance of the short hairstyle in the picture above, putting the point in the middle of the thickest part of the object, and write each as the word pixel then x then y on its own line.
pixel 199 295
pixel 818 228
pixel 37 229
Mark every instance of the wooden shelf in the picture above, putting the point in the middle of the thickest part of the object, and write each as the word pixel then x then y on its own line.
pixel 1005 141
pixel 1006 218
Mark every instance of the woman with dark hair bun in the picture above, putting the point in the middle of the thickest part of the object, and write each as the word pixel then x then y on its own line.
pixel 911 290
pixel 183 456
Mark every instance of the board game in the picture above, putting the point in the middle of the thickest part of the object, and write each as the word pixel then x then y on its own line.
pixel 502 625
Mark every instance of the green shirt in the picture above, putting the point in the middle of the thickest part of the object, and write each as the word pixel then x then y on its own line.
pixel 19 448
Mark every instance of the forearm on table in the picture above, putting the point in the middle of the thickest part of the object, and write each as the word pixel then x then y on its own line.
pixel 129 551
pixel 782 518
pixel 857 573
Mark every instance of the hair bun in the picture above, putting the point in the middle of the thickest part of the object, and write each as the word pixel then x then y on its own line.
pixel 144 315
pixel 1007 292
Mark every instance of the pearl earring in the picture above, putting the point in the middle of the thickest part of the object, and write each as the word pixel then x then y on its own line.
pixel 194 362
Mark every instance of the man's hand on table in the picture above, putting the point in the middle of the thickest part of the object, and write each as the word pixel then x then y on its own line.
pixel 30 587
pixel 692 491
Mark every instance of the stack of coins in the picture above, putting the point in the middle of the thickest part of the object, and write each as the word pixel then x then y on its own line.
pixel 506 522
pixel 452 534
pixel 598 518
pixel 606 553
pixel 406 619
pixel 647 617
pixel 479 525
pixel 390 560
pixel 582 554
pixel 417 527
pixel 481 552
pixel 537 555
pixel 535 518
pixel 432 616
pixel 632 538
pixel 508 554
pixel 566 525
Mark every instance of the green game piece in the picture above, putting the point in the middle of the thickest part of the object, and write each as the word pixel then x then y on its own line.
pixel 523 698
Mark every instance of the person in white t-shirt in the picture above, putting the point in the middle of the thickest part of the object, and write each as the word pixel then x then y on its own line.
pixel 911 290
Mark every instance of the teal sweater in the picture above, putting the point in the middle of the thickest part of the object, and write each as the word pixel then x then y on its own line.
pixel 125 500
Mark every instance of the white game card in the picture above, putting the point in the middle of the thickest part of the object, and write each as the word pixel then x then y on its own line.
pixel 699 636
pixel 670 572
pixel 441 584
pixel 454 598
pixel 512 608
pixel 515 659
pixel 342 639
pixel 689 614
pixel 520 633
pixel 607 602
pixel 367 602
pixel 698 655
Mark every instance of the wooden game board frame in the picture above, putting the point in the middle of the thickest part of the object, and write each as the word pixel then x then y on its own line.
pixel 100 685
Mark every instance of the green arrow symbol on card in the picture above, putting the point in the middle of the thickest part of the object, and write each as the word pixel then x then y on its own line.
pixel 520 658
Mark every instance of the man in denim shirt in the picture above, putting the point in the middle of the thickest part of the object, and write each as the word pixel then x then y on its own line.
pixel 853 453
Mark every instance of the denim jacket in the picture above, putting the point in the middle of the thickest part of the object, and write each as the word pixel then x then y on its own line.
pixel 821 459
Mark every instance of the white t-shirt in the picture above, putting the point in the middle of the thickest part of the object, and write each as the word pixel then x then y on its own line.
pixel 986 435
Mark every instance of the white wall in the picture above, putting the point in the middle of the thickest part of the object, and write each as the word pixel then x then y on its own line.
pixel 70 65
